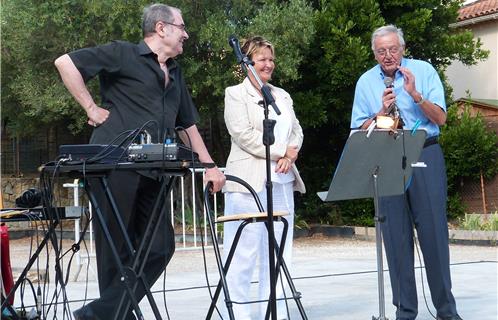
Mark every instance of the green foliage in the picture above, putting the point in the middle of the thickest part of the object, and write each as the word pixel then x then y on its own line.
pixel 301 223
pixel 341 52
pixel 455 206
pixel 322 47
pixel 339 55
pixel 351 212
pixel 469 148
pixel 34 34
pixel 479 222
pixel 358 212
pixel 427 31
pixel 34 94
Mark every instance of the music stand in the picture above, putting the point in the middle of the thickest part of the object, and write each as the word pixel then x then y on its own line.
pixel 372 165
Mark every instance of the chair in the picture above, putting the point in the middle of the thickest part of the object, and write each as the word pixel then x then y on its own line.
pixel 246 219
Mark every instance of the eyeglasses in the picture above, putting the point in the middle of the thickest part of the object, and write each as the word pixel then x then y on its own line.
pixel 179 26
pixel 382 52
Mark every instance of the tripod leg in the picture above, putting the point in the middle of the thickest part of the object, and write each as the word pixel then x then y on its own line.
pixel 378 240
pixel 100 216
pixel 281 263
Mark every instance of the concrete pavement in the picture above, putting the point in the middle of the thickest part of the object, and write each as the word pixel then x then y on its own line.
pixel 337 278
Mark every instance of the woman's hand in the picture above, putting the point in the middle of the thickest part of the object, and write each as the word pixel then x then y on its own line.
pixel 283 165
pixel 291 153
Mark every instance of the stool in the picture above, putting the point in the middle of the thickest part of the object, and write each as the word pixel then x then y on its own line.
pixel 246 218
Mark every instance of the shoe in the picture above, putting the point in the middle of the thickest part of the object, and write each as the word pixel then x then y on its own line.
pixel 84 313
pixel 78 314
pixel 455 317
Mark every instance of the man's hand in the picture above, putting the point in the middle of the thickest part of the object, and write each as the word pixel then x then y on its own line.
pixel 216 177
pixel 388 98
pixel 409 81
pixel 96 115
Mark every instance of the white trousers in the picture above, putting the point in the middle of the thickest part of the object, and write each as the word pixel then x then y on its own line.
pixel 252 250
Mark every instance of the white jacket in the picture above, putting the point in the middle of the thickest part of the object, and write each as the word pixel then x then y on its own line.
pixel 244 120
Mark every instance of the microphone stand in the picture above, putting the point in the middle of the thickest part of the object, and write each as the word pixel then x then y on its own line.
pixel 268 140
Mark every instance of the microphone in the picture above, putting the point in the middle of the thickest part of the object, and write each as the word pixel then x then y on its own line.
pixel 234 43
pixel 393 110
pixel 389 83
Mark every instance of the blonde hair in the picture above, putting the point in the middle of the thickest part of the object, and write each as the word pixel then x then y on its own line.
pixel 255 44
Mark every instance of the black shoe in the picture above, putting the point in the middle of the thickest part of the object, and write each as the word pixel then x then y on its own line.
pixel 84 313
pixel 455 317
pixel 77 314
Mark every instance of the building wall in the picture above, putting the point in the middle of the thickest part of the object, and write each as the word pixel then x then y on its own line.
pixel 489 115
pixel 481 79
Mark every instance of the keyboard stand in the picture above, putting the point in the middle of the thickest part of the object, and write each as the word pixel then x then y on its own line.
pixel 132 275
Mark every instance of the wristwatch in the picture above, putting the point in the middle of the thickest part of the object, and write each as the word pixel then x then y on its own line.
pixel 421 100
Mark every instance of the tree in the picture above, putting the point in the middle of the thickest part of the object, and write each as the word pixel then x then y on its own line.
pixel 34 34
pixel 209 62
pixel 470 150
pixel 341 52
pixel 322 47
pixel 35 95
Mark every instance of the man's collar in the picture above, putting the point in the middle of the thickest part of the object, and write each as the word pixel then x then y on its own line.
pixel 144 49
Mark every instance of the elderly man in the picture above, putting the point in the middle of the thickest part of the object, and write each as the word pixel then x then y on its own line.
pixel 419 95
pixel 138 82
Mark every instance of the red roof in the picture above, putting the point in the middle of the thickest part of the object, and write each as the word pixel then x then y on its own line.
pixel 477 9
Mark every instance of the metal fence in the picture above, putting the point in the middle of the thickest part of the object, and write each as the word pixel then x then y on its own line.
pixel 184 204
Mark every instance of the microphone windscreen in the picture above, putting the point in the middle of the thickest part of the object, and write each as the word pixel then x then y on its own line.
pixel 388 82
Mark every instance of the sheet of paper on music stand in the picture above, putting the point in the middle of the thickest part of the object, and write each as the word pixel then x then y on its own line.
pixel 361 155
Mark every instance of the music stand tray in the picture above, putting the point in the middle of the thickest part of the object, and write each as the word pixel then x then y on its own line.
pixel 374 164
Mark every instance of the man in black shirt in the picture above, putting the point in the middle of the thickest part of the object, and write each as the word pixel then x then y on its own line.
pixel 138 82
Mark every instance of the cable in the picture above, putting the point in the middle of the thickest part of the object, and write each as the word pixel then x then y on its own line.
pixel 208 211
pixel 164 295
pixel 192 154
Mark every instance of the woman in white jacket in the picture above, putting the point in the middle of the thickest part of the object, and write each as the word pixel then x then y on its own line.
pixel 244 120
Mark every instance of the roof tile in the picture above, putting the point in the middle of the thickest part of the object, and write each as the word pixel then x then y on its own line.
pixel 477 9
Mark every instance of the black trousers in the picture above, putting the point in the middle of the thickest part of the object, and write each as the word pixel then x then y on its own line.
pixel 135 196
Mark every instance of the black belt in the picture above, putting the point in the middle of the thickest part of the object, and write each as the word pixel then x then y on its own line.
pixel 430 141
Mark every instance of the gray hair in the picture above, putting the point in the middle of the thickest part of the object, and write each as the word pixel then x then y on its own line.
pixel 155 13
pixel 385 30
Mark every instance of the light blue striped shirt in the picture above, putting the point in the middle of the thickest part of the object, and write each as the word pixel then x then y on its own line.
pixel 370 86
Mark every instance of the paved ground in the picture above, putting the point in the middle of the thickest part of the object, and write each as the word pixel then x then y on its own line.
pixel 337 278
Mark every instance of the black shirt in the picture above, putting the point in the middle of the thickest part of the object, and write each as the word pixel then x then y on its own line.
pixel 132 86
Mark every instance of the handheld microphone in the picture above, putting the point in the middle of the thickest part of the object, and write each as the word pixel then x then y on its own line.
pixel 393 110
pixel 234 43
pixel 389 83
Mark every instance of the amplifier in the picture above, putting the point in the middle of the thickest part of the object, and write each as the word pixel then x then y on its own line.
pixel 158 152
pixel 101 153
